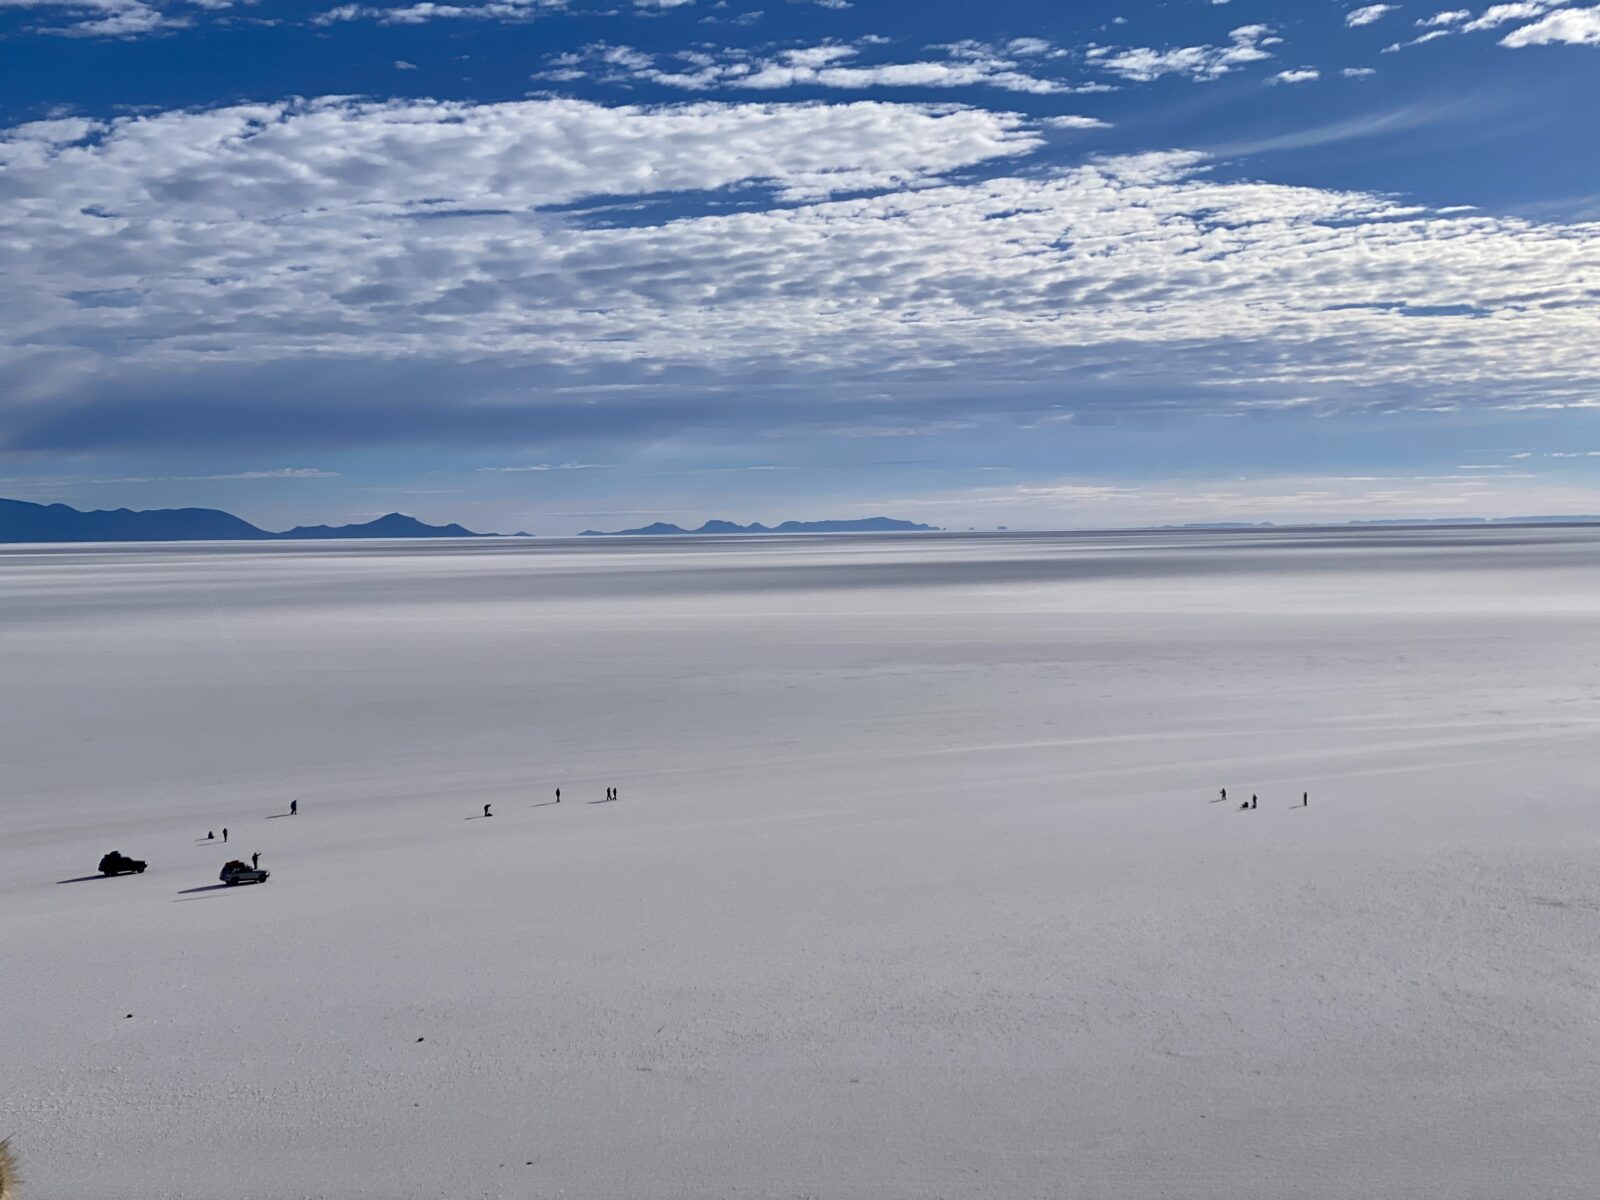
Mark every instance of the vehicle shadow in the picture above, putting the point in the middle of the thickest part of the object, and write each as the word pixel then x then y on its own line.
pixel 83 878
pixel 210 887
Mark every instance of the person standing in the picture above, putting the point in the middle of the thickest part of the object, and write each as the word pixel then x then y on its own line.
pixel 294 807
pixel 255 860
pixel 224 833
pixel 558 795
pixel 1224 797
pixel 1305 799
pixel 1253 800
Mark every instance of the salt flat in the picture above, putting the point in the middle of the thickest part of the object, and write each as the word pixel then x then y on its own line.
pixel 915 886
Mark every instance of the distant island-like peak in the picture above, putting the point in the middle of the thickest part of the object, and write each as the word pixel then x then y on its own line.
pixel 863 525
pixel 23 521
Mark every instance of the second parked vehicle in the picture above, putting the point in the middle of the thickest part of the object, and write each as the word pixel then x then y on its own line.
pixel 235 871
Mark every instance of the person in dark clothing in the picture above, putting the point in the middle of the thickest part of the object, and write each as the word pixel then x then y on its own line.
pixel 294 807
pixel 1223 795
pixel 255 859
pixel 1305 799
pixel 1253 801
pixel 224 833
pixel 1245 807
pixel 558 795
pixel 486 811
pixel 211 835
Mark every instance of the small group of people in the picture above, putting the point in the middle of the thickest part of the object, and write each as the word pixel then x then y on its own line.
pixel 1255 801
pixel 611 794
pixel 211 834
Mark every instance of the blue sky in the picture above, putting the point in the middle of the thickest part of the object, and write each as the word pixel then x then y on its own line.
pixel 553 264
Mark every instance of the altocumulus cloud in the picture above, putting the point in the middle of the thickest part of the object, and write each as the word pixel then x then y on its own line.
pixel 1013 67
pixel 340 272
pixel 111 18
pixel 1578 27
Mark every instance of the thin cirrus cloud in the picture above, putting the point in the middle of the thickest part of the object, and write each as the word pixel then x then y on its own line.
pixel 277 473
pixel 541 467
pixel 275 277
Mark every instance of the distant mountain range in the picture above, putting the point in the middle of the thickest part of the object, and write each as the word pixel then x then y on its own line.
pixel 21 521
pixel 866 525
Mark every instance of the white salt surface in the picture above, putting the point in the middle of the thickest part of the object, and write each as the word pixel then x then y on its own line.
pixel 914 887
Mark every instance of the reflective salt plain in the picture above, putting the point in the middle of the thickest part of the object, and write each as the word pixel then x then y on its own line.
pixel 915 885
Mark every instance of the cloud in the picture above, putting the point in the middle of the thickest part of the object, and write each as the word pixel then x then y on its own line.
pixel 1500 14
pixel 110 18
pixel 279 473
pixel 1299 75
pixel 1367 14
pixel 829 65
pixel 426 11
pixel 337 273
pixel 295 159
pixel 566 466
pixel 1575 27
pixel 1451 22
pixel 1246 44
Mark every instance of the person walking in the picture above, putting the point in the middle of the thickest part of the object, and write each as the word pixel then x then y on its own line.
pixel 294 807
pixel 486 811
pixel 255 859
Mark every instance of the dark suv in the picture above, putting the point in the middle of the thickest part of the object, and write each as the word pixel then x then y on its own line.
pixel 118 863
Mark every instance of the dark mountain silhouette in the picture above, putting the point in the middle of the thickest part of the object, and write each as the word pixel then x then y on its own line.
pixel 865 525
pixel 21 521
pixel 393 525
